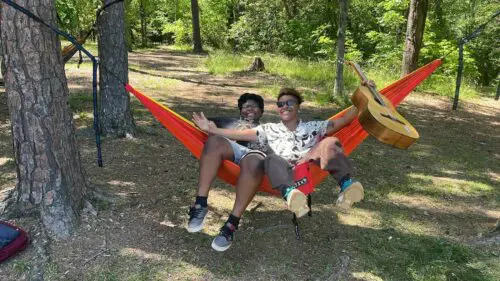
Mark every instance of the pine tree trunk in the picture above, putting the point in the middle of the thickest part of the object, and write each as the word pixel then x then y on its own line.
pixel 196 26
pixel 50 181
pixel 414 35
pixel 339 80
pixel 115 114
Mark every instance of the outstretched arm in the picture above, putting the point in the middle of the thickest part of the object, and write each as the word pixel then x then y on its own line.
pixel 337 124
pixel 346 119
pixel 209 127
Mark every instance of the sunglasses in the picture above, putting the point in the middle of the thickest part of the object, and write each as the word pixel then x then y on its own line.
pixel 288 103
pixel 248 106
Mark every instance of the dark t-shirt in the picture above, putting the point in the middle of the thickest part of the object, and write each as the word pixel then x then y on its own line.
pixel 237 124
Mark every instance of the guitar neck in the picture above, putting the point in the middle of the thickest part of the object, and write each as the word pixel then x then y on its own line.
pixel 363 77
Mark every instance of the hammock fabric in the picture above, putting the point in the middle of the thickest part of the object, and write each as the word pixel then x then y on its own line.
pixel 69 51
pixel 350 136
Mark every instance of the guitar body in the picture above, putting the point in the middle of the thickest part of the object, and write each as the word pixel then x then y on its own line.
pixel 383 121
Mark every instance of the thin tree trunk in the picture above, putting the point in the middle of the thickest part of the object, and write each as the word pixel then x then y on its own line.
pixel 50 182
pixel 497 96
pixel 414 35
pixel 196 26
pixel 288 9
pixel 115 114
pixel 339 80
pixel 142 12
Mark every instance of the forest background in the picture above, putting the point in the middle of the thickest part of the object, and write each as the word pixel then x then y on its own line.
pixel 298 37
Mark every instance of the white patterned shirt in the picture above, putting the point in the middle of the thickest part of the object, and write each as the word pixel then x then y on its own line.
pixel 292 146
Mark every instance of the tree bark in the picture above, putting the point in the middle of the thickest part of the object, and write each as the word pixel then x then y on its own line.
pixel 50 182
pixel 196 26
pixel 115 114
pixel 257 65
pixel 414 35
pixel 142 12
pixel 339 79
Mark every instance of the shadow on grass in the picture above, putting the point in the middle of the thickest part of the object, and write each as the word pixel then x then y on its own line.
pixel 200 75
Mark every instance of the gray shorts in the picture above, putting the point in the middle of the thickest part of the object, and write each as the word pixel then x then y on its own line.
pixel 240 151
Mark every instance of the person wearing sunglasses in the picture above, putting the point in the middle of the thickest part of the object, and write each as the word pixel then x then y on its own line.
pixel 293 141
pixel 248 154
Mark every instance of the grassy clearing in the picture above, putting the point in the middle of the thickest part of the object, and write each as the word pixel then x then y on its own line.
pixel 424 211
pixel 317 77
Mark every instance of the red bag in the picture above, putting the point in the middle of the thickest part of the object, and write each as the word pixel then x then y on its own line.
pixel 17 244
pixel 303 178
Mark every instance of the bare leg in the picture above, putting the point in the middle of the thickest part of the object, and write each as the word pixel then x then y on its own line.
pixel 251 174
pixel 216 150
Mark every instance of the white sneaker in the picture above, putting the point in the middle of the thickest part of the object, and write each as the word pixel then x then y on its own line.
pixel 297 203
pixel 351 194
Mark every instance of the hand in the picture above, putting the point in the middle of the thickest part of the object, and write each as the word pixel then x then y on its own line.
pixel 305 158
pixel 202 122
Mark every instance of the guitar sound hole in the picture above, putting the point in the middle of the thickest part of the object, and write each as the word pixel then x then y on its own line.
pixel 393 119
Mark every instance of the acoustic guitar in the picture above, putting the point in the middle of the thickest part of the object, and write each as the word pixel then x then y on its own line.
pixel 378 116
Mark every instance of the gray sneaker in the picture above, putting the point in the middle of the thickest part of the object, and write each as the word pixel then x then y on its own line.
pixel 196 217
pixel 225 238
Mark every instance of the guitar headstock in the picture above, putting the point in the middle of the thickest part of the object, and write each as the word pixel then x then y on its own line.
pixel 364 80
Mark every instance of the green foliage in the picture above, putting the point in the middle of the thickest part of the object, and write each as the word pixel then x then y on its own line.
pixel 307 30
pixel 181 29
pixel 76 16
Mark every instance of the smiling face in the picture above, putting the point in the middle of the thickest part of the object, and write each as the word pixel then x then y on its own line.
pixel 288 107
pixel 251 111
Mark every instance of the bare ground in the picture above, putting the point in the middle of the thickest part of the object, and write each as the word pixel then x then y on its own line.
pixel 152 180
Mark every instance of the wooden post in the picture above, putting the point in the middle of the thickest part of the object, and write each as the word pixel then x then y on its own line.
pixel 459 74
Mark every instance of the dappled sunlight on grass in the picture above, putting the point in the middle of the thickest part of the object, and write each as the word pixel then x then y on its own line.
pixel 438 205
pixel 141 254
pixel 360 217
pixel 413 225
pixel 451 186
pixel 5 161
pixel 366 276
pixel 121 183
pixel 182 270
pixel 153 83
pixel 74 66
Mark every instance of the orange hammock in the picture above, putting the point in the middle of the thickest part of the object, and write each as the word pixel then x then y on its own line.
pixel 70 50
pixel 350 136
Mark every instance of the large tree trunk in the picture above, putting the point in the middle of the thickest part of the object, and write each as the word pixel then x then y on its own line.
pixel 414 35
pixel 339 80
pixel 196 26
pixel 50 181
pixel 115 115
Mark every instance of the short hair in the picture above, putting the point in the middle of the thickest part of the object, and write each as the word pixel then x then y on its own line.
pixel 250 96
pixel 290 92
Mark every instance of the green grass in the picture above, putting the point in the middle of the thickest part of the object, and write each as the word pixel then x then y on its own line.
pixel 317 77
pixel 421 258
pixel 221 62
